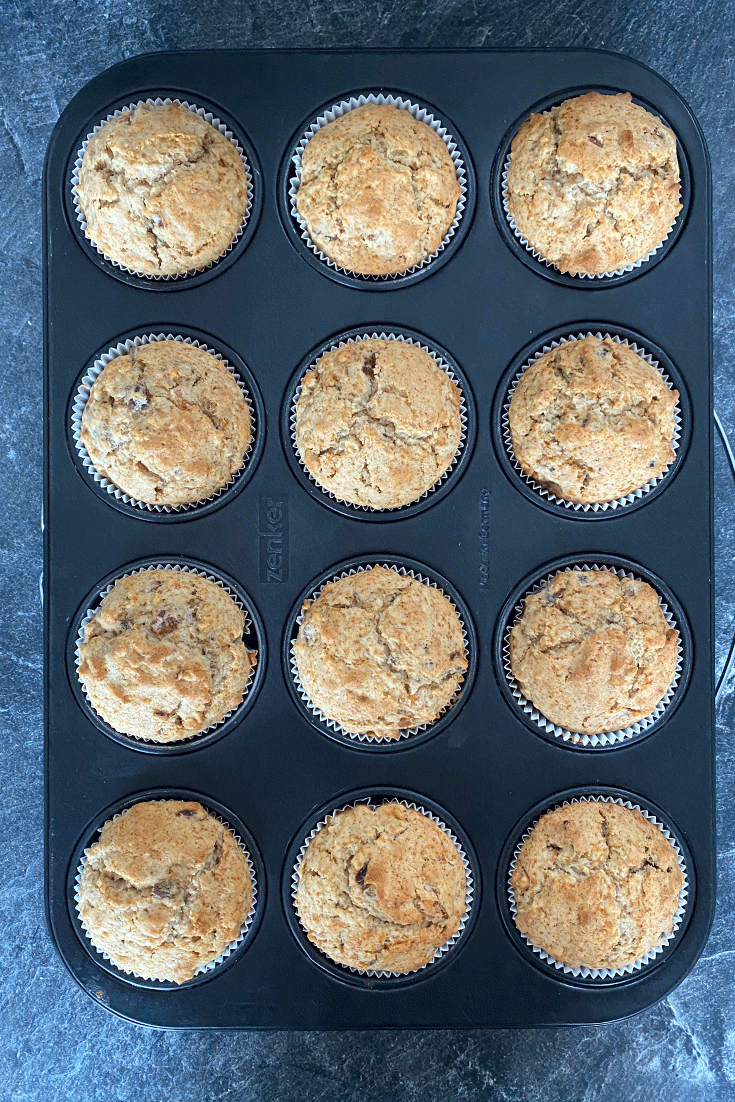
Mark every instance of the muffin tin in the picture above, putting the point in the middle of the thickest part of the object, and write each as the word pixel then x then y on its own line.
pixel 271 769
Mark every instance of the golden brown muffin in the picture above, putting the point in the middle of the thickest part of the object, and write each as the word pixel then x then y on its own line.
pixel 165 890
pixel 593 184
pixel 161 190
pixel 166 423
pixel 593 652
pixel 596 885
pixel 381 889
pixel 592 421
pixel 378 422
pixel 378 190
pixel 378 652
pixel 163 656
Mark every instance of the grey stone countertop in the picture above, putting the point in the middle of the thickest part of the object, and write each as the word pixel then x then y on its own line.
pixel 56 1043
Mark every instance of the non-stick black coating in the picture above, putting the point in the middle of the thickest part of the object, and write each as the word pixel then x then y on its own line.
pixel 484 305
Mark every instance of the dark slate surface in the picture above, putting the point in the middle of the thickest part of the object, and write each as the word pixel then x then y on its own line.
pixel 56 1043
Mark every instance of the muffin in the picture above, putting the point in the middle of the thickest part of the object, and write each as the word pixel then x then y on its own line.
pixel 379 651
pixel 378 190
pixel 166 423
pixel 165 890
pixel 593 184
pixel 381 888
pixel 163 657
pixel 591 421
pixel 378 422
pixel 596 885
pixel 593 652
pixel 161 190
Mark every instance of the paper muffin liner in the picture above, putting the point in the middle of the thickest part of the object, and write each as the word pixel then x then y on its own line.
pixel 204 968
pixel 440 362
pixel 583 972
pixel 550 263
pixel 336 112
pixel 606 738
pixel 91 612
pixel 209 117
pixel 82 397
pixel 469 887
pixel 405 732
pixel 597 506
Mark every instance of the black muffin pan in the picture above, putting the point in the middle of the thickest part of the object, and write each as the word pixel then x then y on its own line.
pixel 274 769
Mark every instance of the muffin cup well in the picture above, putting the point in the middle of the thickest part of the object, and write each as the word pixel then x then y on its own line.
pixel 247 226
pixel 582 974
pixel 253 637
pixel 531 257
pixel 374 797
pixel 525 710
pixel 246 843
pixel 291 179
pixel 112 492
pixel 501 426
pixel 445 481
pixel 410 736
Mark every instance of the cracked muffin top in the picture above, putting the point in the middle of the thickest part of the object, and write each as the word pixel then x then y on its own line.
pixel 593 652
pixel 163 657
pixel 593 184
pixel 379 651
pixel 378 422
pixel 378 190
pixel 165 890
pixel 596 885
pixel 381 888
pixel 161 190
pixel 592 421
pixel 166 423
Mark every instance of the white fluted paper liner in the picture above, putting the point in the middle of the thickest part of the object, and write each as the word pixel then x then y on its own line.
pixel 440 362
pixel 91 612
pixel 209 117
pixel 606 738
pixel 597 506
pixel 405 732
pixel 469 885
pixel 82 396
pixel 550 263
pixel 229 949
pixel 583 972
pixel 421 115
